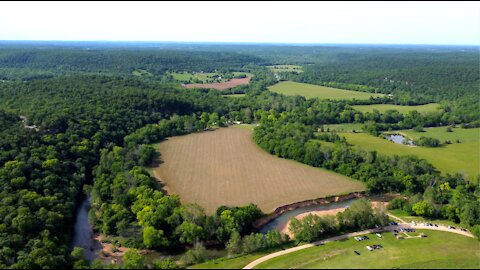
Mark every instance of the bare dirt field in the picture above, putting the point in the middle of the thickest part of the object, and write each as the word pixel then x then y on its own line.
pixel 225 167
pixel 221 85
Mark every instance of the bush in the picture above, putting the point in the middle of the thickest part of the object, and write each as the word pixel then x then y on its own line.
pixel 197 254
pixel 423 209
pixel 396 203
pixel 428 142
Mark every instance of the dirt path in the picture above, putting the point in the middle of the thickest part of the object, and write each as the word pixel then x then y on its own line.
pixel 423 227
pixel 403 224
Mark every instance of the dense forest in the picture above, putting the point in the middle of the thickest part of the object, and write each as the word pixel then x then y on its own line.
pixel 74 118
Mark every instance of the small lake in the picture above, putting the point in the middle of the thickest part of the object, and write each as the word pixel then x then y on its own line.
pixel 281 221
pixel 83 232
pixel 399 139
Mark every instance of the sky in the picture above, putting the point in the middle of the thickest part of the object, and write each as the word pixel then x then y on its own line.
pixel 447 23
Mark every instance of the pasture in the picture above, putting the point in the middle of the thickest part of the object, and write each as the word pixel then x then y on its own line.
pixel 437 250
pixel 382 108
pixel 462 134
pixel 226 167
pixel 290 88
pixel 461 157
pixel 285 68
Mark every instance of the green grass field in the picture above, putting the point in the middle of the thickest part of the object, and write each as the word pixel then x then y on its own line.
pixel 237 262
pixel 350 127
pixel 203 77
pixel 402 109
pixel 437 250
pixel 141 72
pixel 234 95
pixel 285 68
pixel 189 76
pixel 462 134
pixel 461 157
pixel 316 91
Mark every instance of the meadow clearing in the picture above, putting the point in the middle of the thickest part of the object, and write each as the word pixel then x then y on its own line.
pixel 234 95
pixel 463 157
pixel 141 73
pixel 220 85
pixel 437 250
pixel 290 88
pixel 431 107
pixel 226 167
pixel 285 68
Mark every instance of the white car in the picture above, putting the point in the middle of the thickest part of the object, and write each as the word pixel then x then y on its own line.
pixel 369 248
pixel 379 235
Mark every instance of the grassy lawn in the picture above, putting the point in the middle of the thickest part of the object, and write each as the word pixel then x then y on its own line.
pixel 285 68
pixel 237 262
pixel 316 91
pixel 461 157
pixel 437 250
pixel 402 109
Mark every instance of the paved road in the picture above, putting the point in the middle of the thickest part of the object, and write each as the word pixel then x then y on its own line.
pixel 340 237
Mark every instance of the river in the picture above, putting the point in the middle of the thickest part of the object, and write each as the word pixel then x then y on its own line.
pixel 83 235
pixel 281 222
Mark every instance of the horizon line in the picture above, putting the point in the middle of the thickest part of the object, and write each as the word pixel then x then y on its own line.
pixel 236 42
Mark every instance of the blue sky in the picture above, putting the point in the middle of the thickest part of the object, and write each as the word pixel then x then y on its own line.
pixel 284 22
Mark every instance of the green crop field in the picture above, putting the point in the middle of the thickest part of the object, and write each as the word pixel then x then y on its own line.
pixel 316 91
pixel 402 109
pixel 461 157
pixel 437 250
pixel 285 68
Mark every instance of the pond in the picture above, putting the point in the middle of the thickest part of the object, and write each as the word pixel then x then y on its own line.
pixel 399 139
pixel 83 232
pixel 281 222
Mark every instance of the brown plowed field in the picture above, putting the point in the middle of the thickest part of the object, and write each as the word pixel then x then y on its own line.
pixel 226 167
pixel 221 85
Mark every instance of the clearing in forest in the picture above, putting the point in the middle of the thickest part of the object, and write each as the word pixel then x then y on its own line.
pixel 316 91
pixel 285 68
pixel 226 167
